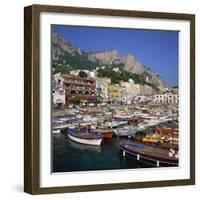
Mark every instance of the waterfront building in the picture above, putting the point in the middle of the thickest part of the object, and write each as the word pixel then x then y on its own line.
pixel 102 85
pixel 127 92
pixel 166 98
pixel 114 92
pixel 174 90
pixel 58 92
pixel 145 90
pixel 57 80
pixel 58 96
pixel 135 88
pixel 82 88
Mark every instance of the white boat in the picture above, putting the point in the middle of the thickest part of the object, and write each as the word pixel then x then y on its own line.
pixel 128 131
pixel 60 127
pixel 56 131
pixel 111 124
pixel 152 122
pixel 85 138
pixel 120 121
pixel 83 147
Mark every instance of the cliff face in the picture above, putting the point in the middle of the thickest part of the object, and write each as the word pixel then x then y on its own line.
pixel 106 57
pixel 64 51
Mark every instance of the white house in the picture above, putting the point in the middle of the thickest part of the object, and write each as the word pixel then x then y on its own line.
pixel 166 98
pixel 58 95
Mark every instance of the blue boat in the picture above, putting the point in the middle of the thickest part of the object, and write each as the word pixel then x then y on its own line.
pixel 128 131
pixel 150 155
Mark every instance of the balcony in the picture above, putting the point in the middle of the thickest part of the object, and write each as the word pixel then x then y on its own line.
pixel 78 82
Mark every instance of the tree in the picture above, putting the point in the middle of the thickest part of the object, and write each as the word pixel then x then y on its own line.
pixel 82 74
pixel 76 100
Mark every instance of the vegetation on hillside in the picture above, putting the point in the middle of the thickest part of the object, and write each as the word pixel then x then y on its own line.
pixel 68 62
pixel 122 75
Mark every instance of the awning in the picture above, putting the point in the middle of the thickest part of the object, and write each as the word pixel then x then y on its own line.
pixel 83 101
pixel 92 101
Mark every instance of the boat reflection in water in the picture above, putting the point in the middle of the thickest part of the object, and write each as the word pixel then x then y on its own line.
pixel 83 147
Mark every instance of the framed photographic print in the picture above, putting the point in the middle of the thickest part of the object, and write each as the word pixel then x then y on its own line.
pixel 109 99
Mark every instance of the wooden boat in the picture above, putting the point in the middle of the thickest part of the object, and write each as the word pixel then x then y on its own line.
pixel 56 131
pixel 153 156
pixel 111 124
pixel 83 147
pixel 59 126
pixel 120 122
pixel 105 132
pixel 122 117
pixel 167 130
pixel 85 137
pixel 128 131
pixel 150 140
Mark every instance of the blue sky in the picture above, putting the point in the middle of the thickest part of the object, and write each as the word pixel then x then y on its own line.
pixel 155 49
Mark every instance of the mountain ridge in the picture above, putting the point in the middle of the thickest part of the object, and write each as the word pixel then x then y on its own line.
pixel 66 53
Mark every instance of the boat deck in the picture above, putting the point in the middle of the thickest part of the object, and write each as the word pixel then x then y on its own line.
pixel 85 135
pixel 150 152
pixel 99 130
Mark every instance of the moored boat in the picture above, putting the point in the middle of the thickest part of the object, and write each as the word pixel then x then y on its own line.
pixel 59 126
pixel 105 132
pixel 56 131
pixel 153 156
pixel 128 131
pixel 85 137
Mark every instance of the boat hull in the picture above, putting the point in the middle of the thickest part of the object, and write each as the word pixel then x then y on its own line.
pixel 56 131
pixel 85 141
pixel 146 158
pixel 106 134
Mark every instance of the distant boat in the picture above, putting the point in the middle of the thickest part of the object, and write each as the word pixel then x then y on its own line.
pixel 85 137
pixel 128 131
pixel 112 124
pixel 121 121
pixel 153 156
pixel 122 117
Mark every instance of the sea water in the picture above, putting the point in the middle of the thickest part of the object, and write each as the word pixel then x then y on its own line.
pixel 69 156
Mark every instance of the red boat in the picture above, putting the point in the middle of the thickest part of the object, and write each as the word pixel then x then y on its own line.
pixel 105 132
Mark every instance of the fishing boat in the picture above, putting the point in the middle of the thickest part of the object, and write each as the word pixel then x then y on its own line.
pixel 58 126
pixel 150 155
pixel 149 123
pixel 112 124
pixel 56 131
pixel 120 121
pixel 122 117
pixel 128 131
pixel 85 137
pixel 105 132
pixel 83 147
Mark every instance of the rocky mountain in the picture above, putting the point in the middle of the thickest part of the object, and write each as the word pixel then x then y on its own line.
pixel 108 57
pixel 65 53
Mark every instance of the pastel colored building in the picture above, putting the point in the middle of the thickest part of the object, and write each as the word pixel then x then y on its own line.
pixel 166 98
pixel 102 85
pixel 114 92
pixel 83 88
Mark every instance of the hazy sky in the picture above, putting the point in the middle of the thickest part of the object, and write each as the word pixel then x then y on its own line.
pixel 155 49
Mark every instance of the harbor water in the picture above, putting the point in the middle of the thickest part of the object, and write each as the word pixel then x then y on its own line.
pixel 69 156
